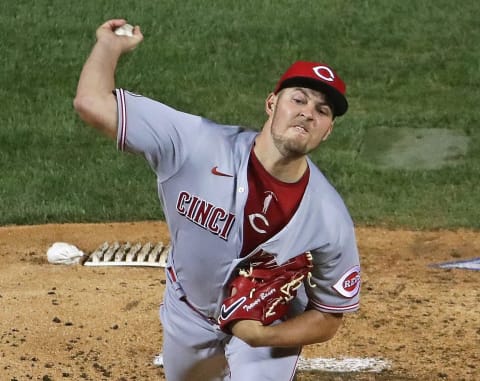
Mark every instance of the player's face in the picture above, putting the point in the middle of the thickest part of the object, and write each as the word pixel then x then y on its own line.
pixel 300 120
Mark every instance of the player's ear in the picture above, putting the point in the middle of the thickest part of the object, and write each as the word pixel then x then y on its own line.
pixel 270 103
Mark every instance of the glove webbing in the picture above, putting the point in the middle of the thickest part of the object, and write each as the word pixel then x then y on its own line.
pixel 299 263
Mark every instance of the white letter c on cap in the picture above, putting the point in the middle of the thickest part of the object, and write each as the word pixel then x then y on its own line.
pixel 317 70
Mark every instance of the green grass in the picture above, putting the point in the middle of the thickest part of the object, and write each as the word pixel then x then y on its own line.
pixel 412 63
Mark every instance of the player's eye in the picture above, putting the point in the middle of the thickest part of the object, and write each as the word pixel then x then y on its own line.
pixel 324 110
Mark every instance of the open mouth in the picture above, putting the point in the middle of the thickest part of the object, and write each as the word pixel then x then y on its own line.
pixel 300 128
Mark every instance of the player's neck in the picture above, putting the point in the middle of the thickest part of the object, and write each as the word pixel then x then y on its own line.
pixel 288 170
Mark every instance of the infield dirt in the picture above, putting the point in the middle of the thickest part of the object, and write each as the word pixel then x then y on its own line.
pixel 101 323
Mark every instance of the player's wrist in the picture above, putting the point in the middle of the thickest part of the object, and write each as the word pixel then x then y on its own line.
pixel 107 49
pixel 249 331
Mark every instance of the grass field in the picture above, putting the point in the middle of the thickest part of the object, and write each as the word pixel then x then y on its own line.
pixel 411 64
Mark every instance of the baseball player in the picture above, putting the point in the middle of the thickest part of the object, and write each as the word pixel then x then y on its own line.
pixel 241 205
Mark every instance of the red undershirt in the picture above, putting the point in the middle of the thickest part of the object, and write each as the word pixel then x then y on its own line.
pixel 270 205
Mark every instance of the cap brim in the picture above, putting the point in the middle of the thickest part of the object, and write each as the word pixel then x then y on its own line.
pixel 338 100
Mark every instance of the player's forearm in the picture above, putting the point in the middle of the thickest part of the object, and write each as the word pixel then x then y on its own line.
pixel 94 100
pixel 98 74
pixel 308 328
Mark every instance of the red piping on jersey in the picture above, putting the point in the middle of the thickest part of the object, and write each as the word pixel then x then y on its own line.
pixel 338 309
pixel 184 299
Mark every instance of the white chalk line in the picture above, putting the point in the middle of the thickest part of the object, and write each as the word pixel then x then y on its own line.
pixel 329 364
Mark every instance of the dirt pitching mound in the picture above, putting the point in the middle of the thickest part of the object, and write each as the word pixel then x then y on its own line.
pixel 101 323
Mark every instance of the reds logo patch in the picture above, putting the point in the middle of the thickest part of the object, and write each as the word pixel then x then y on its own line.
pixel 349 284
pixel 324 72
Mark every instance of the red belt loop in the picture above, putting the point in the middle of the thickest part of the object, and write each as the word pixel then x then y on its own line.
pixel 172 274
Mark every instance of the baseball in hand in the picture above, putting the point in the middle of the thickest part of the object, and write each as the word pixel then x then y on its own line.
pixel 124 30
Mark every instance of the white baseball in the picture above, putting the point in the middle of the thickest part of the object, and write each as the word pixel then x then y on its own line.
pixel 124 30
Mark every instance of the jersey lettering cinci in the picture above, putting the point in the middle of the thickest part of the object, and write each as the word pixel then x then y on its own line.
pixel 203 213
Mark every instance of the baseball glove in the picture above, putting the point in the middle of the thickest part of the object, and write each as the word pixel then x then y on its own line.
pixel 263 290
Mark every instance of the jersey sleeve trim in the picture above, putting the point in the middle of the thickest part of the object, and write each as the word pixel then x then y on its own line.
pixel 122 120
pixel 326 308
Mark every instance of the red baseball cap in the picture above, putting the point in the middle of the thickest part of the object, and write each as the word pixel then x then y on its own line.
pixel 318 76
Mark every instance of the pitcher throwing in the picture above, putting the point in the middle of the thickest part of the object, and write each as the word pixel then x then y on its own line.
pixel 264 257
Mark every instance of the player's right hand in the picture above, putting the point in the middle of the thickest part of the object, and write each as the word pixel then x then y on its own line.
pixel 106 34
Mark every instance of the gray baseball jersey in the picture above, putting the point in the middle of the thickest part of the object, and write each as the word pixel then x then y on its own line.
pixel 201 170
